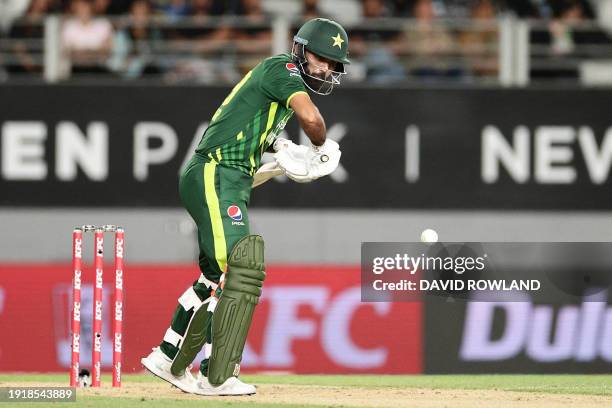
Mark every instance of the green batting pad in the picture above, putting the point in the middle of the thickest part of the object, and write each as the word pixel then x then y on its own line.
pixel 193 340
pixel 234 313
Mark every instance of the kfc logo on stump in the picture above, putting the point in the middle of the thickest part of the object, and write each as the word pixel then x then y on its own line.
pixel 234 212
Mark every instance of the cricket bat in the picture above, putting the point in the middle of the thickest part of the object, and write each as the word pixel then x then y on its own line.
pixel 266 172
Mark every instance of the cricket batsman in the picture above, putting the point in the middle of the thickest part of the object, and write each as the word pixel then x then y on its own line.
pixel 215 313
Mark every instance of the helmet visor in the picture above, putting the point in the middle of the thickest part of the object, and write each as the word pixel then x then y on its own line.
pixel 320 81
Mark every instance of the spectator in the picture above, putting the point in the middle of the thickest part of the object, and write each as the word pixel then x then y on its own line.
pixel 118 7
pixel 427 41
pixel 566 34
pixel 575 7
pixel 252 10
pixel 547 9
pixel 310 9
pixel 176 8
pixel 377 45
pixel 86 39
pixel 256 36
pixel 479 41
pixel 208 37
pixel 204 27
pixel 483 10
pixel 426 37
pixel 213 38
pixel 133 46
pixel 567 15
pixel 365 37
pixel 207 33
pixel 401 8
pixel 374 9
pixel 227 7
pixel 100 7
pixel 201 8
pixel 461 9
pixel 29 29
pixel 530 8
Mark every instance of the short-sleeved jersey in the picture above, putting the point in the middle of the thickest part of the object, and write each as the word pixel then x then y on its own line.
pixel 252 115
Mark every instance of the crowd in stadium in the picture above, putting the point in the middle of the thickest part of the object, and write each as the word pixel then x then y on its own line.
pixel 12 9
pixel 90 34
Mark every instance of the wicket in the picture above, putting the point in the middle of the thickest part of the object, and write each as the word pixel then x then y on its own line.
pixel 117 312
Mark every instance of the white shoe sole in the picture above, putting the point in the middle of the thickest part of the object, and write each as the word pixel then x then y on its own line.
pixel 152 368
pixel 222 393
pixel 219 391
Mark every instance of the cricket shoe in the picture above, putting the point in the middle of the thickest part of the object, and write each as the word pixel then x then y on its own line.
pixel 159 365
pixel 231 386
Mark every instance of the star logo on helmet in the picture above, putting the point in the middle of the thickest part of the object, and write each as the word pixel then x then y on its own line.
pixel 337 41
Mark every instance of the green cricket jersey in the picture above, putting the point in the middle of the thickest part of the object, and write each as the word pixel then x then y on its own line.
pixel 252 115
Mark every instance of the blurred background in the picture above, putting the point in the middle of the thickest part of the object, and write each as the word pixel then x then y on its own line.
pixel 516 42
pixel 485 120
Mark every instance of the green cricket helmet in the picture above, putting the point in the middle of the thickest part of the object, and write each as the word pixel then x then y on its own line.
pixel 325 38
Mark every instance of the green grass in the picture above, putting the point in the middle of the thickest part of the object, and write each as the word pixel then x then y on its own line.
pixel 554 384
pixel 109 402
pixel 559 384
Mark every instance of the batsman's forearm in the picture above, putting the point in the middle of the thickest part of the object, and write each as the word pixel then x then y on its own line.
pixel 315 129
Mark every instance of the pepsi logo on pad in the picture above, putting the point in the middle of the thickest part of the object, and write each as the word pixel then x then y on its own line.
pixel 234 212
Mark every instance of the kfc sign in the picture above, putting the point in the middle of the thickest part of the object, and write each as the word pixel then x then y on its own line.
pixel 309 320
pixel 332 324
pixel 312 320
pixel 331 328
